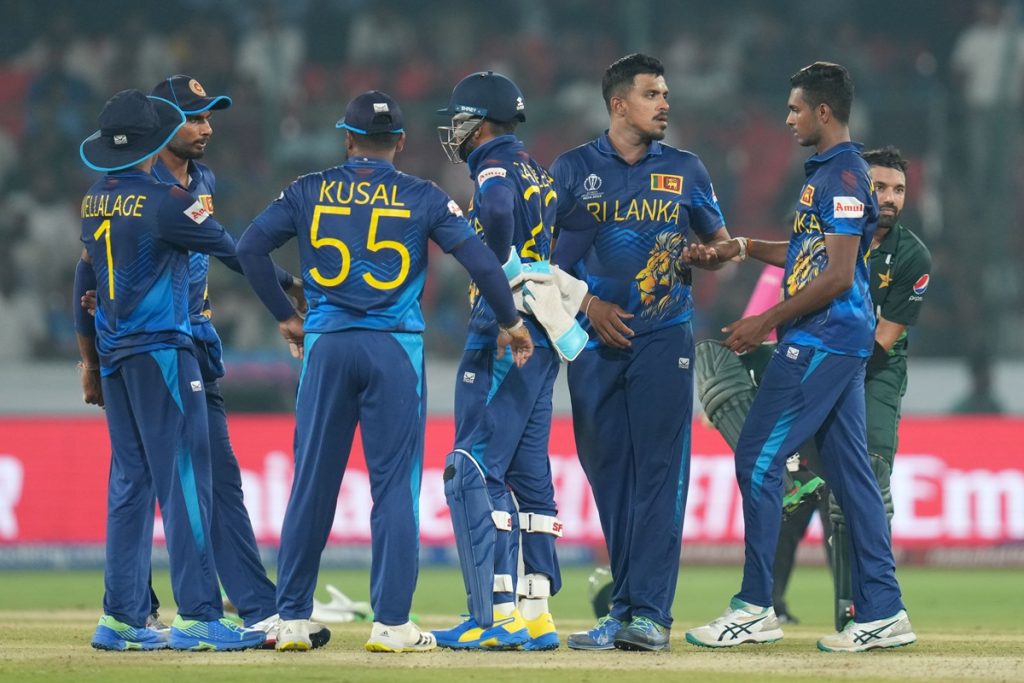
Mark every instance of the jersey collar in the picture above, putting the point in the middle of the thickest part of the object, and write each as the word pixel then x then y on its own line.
pixel 888 243
pixel 477 156
pixel 164 175
pixel 373 162
pixel 835 150
pixel 604 146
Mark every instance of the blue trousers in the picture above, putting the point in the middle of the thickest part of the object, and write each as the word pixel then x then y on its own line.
pixel 239 565
pixel 632 416
pixel 807 392
pixel 160 446
pixel 373 379
pixel 503 419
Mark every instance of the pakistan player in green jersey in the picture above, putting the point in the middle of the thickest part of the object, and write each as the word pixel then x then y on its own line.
pixel 900 265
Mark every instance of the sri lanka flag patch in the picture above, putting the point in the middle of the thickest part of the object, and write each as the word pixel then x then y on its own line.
pixel 667 183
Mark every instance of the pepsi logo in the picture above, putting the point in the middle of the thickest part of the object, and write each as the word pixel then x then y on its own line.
pixel 922 284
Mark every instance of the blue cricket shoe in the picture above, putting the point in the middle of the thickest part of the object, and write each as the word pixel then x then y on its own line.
pixel 112 634
pixel 218 635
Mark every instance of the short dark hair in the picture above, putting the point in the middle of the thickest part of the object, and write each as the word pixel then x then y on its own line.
pixel 623 71
pixel 378 142
pixel 828 83
pixel 887 157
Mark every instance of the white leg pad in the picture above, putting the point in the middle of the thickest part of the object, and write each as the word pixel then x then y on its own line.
pixel 503 583
pixel 534 523
pixel 534 586
pixel 502 520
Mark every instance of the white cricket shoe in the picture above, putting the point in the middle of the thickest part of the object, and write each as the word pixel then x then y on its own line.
pixel 404 638
pixel 895 631
pixel 298 635
pixel 741 623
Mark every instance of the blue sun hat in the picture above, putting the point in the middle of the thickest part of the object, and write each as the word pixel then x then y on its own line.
pixel 133 127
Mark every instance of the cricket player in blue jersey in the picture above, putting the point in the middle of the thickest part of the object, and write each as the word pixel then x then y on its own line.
pixel 139 360
pixel 239 565
pixel 503 413
pixel 238 559
pixel 362 229
pixel 632 388
pixel 814 382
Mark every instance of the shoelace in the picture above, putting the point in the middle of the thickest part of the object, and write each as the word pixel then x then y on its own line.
pixel 644 624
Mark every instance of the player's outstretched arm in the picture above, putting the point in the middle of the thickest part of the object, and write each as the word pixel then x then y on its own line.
pixel 747 334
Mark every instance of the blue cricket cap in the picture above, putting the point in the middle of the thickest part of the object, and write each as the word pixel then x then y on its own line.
pixel 189 95
pixel 372 113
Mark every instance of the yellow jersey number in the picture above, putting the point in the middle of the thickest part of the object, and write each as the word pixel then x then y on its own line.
pixel 372 243
pixel 529 246
pixel 104 230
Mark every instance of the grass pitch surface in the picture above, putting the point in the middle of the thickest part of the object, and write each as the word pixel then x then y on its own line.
pixel 967 622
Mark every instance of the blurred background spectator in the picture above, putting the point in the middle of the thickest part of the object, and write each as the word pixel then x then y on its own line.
pixel 942 79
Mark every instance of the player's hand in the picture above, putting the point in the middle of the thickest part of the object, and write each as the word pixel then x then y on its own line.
pixel 291 330
pixel 521 342
pixel 747 334
pixel 298 295
pixel 701 255
pixel 607 320
pixel 92 389
pixel 88 301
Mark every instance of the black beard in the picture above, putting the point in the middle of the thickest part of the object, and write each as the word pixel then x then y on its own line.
pixel 183 152
pixel 888 222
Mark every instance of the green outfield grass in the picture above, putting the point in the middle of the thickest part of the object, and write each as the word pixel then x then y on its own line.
pixel 967 623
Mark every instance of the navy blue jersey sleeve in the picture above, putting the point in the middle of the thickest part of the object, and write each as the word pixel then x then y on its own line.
pixel 254 254
pixel 495 211
pixel 483 266
pixel 185 222
pixel 706 215
pixel 85 279
pixel 449 227
pixel 846 203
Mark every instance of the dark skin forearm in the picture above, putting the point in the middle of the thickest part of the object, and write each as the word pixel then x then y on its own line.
pixel 746 334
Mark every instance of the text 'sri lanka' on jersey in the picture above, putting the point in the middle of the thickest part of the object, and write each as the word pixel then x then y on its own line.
pixel 647 211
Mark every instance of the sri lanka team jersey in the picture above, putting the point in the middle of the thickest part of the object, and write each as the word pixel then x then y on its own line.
pixel 504 160
pixel 138 233
pixel 362 230
pixel 646 211
pixel 202 185
pixel 836 199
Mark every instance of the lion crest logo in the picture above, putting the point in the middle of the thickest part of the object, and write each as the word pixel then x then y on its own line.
pixel 810 261
pixel 662 274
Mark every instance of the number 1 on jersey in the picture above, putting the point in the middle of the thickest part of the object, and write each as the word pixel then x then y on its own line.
pixel 104 230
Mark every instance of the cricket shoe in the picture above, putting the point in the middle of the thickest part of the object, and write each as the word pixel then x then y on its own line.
pixel 319 635
pixel 507 633
pixel 895 631
pixel 741 623
pixel 217 635
pixel 601 637
pixel 153 622
pixel 405 637
pixel 543 635
pixel 643 634
pixel 111 634
pixel 300 635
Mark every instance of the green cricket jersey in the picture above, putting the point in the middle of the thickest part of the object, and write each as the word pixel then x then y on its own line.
pixel 900 268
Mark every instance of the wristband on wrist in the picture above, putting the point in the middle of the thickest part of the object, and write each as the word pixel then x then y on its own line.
pixel 88 367
pixel 586 309
pixel 742 256
pixel 514 326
